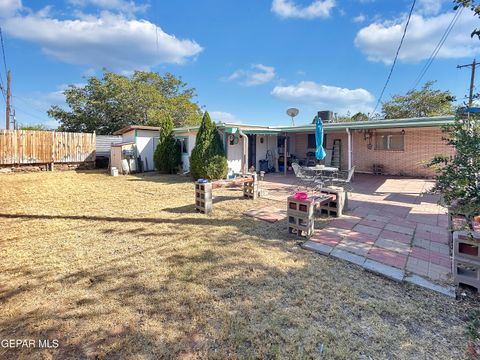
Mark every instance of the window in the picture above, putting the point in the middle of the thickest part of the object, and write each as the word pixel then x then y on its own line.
pixel 312 144
pixel 183 143
pixel 389 141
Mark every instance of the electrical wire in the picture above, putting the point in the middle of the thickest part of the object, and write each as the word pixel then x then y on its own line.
pixel 438 47
pixel 396 57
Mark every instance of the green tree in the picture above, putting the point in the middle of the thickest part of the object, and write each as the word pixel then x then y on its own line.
pixel 167 155
pixel 359 116
pixel 458 179
pixel 208 156
pixel 473 5
pixel 419 103
pixel 36 127
pixel 114 101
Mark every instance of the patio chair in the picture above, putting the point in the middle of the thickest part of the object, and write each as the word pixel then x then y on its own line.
pixel 342 179
pixel 305 178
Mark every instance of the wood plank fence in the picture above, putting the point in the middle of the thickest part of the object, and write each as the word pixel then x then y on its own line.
pixel 45 147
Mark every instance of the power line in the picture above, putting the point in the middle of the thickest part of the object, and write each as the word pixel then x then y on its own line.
pixel 438 47
pixel 396 57
pixel 3 51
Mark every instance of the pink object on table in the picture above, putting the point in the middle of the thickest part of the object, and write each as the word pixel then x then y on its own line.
pixel 301 195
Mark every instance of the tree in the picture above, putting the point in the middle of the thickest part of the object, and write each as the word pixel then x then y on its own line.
pixel 167 156
pixel 474 6
pixel 115 101
pixel 419 103
pixel 36 127
pixel 359 116
pixel 208 156
pixel 458 179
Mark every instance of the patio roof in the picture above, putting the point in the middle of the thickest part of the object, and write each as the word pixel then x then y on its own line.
pixel 434 121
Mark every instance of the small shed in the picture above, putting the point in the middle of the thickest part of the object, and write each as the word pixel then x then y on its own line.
pixel 145 139
pixel 122 157
pixel 103 149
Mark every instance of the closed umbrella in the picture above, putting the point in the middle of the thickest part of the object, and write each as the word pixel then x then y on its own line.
pixel 320 151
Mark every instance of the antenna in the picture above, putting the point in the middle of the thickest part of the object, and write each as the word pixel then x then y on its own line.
pixel 292 112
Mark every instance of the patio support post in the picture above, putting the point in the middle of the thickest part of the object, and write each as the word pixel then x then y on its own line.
pixel 285 156
pixel 349 144
pixel 244 152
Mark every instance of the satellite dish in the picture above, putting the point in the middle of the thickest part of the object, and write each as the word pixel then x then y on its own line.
pixel 292 112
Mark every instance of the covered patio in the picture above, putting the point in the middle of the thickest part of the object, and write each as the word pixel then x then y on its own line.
pixel 392 227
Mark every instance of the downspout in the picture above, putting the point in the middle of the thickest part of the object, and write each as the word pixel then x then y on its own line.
pixel 245 152
pixel 349 143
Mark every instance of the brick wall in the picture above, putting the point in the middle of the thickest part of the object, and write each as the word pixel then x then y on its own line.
pixel 301 145
pixel 421 145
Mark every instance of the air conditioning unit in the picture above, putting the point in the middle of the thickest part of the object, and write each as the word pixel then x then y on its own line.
pixel 326 116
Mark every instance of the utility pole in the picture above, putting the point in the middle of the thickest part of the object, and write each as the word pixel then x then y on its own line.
pixel 7 125
pixel 14 120
pixel 473 65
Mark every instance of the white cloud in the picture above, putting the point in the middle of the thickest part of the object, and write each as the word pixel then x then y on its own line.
pixel 107 40
pixel 257 75
pixel 289 9
pixel 360 18
pixel 9 7
pixel 430 7
pixel 224 117
pixel 330 97
pixel 380 40
pixel 116 5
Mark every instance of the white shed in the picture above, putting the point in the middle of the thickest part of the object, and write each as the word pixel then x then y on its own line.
pixel 145 139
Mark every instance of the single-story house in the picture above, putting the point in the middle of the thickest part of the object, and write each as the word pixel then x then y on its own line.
pixel 145 140
pixel 396 146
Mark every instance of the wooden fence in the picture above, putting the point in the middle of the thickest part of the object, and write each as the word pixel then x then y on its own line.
pixel 45 147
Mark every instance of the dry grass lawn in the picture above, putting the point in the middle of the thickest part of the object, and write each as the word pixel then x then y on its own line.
pixel 124 267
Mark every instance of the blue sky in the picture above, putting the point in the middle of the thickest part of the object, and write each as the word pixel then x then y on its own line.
pixel 248 60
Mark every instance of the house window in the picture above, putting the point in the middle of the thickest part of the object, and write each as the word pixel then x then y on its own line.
pixel 183 143
pixel 312 144
pixel 390 141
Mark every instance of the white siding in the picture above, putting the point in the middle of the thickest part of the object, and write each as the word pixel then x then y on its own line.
pixel 146 147
pixel 234 156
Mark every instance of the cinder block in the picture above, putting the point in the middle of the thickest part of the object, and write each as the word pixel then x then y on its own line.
pixel 467 273
pixel 465 246
pixel 300 215
pixel 203 197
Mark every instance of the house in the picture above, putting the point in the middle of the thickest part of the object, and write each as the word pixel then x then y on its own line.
pixel 393 146
pixel 145 140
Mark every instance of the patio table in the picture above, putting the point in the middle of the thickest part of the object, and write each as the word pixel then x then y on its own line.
pixel 322 168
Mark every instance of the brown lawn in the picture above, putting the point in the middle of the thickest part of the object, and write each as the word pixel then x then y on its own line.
pixel 124 267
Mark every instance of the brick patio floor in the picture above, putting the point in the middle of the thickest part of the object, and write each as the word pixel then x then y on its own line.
pixel 391 224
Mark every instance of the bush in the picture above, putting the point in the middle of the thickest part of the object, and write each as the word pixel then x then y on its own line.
pixel 208 156
pixel 458 179
pixel 217 168
pixel 167 156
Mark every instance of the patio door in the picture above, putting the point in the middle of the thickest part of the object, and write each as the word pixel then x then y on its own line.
pixel 252 151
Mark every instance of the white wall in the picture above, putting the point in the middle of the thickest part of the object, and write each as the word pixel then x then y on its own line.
pixel 191 136
pixel 146 147
pixel 234 156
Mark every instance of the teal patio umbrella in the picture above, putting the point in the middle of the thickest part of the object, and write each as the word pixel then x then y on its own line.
pixel 320 151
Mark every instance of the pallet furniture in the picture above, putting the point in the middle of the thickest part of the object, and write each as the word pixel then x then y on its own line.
pixel 300 215
pixel 204 191
pixel 337 204
pixel 466 258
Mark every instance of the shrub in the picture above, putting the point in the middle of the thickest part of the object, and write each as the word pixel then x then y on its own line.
pixel 217 168
pixel 458 179
pixel 208 156
pixel 167 155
